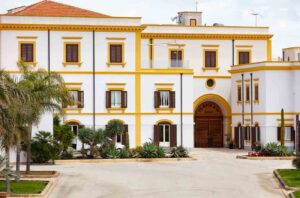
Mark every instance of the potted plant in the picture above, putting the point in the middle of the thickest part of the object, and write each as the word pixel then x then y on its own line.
pixel 229 142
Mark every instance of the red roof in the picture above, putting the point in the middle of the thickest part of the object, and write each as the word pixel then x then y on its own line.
pixel 50 8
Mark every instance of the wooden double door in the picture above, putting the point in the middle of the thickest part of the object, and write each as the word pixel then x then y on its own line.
pixel 208 126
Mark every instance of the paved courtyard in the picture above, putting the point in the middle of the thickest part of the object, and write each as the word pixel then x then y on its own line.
pixel 216 173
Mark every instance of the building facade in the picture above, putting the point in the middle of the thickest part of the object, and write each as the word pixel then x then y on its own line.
pixel 172 84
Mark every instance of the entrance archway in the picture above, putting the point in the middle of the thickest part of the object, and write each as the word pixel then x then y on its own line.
pixel 208 125
pixel 212 121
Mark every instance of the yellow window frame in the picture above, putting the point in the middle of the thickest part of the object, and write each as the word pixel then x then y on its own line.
pixel 33 63
pixel 204 68
pixel 79 63
pixel 123 63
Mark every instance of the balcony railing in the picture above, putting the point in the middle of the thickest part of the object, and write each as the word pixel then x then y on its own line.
pixel 165 64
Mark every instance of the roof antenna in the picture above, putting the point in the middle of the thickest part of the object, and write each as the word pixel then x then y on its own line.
pixel 196 5
pixel 255 14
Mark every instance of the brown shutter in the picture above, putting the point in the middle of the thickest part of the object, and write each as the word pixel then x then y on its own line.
pixel 243 136
pixel 80 99
pixel 214 59
pixel 207 59
pixel 278 133
pixel 292 134
pixel 124 99
pixel 236 137
pixel 156 99
pixel 156 135
pixel 258 133
pixel 172 99
pixel 108 99
pixel 173 136
pixel 124 136
pixel 253 137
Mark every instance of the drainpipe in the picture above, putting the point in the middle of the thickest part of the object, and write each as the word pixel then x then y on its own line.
pixel 49 51
pixel 251 97
pixel 181 118
pixel 94 102
pixel 297 133
pixel 243 104
pixel 233 52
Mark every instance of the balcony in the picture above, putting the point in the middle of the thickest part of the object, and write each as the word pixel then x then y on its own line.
pixel 165 64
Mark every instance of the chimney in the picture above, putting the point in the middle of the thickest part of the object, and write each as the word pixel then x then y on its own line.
pixel 189 18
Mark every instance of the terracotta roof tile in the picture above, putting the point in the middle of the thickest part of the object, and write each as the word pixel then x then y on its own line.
pixel 54 9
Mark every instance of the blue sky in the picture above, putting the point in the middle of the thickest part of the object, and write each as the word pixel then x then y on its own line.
pixel 282 16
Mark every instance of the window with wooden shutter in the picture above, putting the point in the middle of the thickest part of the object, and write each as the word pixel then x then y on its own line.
pixel 156 135
pixel 256 93
pixel 172 99
pixel 80 99
pixel 108 99
pixel 239 93
pixel 156 99
pixel 247 93
pixel 244 57
pixel 278 133
pixel 72 53
pixel 124 135
pixel 257 133
pixel 124 99
pixel 75 99
pixel 210 59
pixel 27 52
pixel 116 53
pixel 176 58
pixel 236 137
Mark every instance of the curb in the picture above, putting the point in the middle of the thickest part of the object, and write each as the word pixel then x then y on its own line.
pixel 88 161
pixel 283 184
pixel 264 158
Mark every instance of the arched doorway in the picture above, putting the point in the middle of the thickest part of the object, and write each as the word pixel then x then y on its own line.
pixel 208 131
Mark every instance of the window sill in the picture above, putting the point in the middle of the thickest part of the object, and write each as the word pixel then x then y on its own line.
pixel 247 102
pixel 72 63
pixel 256 102
pixel 210 68
pixel 116 64
pixel 73 109
pixel 27 63
pixel 117 109
pixel 164 109
pixel 239 102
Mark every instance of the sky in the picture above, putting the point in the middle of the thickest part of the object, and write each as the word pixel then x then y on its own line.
pixel 282 16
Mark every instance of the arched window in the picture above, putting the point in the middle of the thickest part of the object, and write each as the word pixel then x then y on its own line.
pixel 165 134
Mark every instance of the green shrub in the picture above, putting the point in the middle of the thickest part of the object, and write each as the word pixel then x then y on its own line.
pixel 296 161
pixel 113 153
pixel 274 149
pixel 44 148
pixel 62 133
pixel 67 154
pixel 179 152
pixel 124 153
pixel 151 150
pixel 135 152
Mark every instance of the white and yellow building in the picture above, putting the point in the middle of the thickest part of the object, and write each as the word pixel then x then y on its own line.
pixel 173 84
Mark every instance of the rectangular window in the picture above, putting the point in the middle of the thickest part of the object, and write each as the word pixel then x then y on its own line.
pixel 288 133
pixel 247 93
pixel 74 95
pixel 244 58
pixel 164 98
pixel 193 22
pixel 72 53
pixel 74 129
pixel 247 133
pixel 256 93
pixel 116 53
pixel 239 93
pixel 164 133
pixel 78 99
pixel 119 138
pixel 298 56
pixel 211 59
pixel 176 58
pixel 27 52
pixel 116 99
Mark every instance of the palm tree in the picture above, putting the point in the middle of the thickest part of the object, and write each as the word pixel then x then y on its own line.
pixel 10 99
pixel 47 92
pixel 114 127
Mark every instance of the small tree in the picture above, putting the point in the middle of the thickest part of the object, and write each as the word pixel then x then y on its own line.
pixel 63 133
pixel 92 138
pixel 114 127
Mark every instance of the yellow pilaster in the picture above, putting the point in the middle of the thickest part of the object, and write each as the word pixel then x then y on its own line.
pixel 138 89
pixel 269 50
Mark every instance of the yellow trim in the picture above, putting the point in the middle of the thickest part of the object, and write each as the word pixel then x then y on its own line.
pixel 244 46
pixel 212 76
pixel 247 80
pixel 109 110
pixel 186 36
pixel 138 89
pixel 164 120
pixel 73 83
pixel 287 119
pixel 220 99
pixel 176 49
pixel 263 68
pixel 204 68
pixel 65 63
pixel 115 84
pixel 27 37
pixel 238 56
pixel 269 50
pixel 128 113
pixel 123 63
pixel 239 81
pixel 210 45
pixel 115 38
pixel 267 113
pixel 286 125
pixel 34 53
pixel 176 45
pixel 166 71
pixel 72 120
pixel 74 88
pixel 71 37
pixel 206 26
pixel 164 89
pixel 213 85
pixel 164 84
pixel 115 89
pixel 73 28
pixel 164 109
pixel 255 79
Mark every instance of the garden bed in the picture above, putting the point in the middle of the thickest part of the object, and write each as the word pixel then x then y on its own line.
pixel 84 161
pixel 296 194
pixel 289 178
pixel 28 188
pixel 38 174
pixel 265 157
